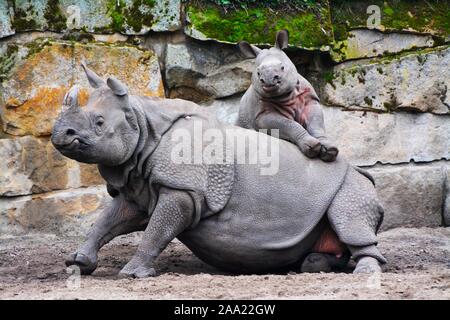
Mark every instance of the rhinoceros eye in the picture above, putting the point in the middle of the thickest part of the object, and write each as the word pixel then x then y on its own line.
pixel 100 121
pixel 282 68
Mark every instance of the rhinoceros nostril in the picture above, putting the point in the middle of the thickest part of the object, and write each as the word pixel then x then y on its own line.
pixel 70 132
pixel 276 77
pixel 262 80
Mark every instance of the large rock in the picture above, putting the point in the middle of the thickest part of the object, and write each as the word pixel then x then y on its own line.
pixel 45 70
pixel 6 28
pixel 68 213
pixel 226 110
pixel 413 82
pixel 32 165
pixel 200 72
pixel 128 16
pixel 412 195
pixel 364 43
pixel 366 138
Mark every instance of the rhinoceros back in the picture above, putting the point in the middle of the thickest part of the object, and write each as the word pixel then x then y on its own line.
pixel 264 220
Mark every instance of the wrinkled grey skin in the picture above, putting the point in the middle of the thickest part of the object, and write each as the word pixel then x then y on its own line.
pixel 229 215
pixel 274 78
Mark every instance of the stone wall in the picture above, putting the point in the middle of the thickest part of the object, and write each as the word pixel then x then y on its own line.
pixel 385 90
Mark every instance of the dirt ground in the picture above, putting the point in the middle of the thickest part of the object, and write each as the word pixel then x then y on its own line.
pixel 32 267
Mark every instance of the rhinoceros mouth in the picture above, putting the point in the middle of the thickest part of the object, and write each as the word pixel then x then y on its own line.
pixel 270 88
pixel 74 144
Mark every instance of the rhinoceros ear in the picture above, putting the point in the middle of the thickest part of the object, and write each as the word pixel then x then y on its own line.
pixel 94 80
pixel 282 40
pixel 249 50
pixel 116 86
pixel 71 98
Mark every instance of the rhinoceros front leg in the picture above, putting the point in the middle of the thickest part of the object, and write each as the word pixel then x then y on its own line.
pixel 172 215
pixel 121 217
pixel 316 127
pixel 291 131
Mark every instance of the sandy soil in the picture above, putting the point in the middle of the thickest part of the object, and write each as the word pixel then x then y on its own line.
pixel 32 267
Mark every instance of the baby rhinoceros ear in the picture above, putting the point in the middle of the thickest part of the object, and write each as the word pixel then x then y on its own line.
pixel 117 87
pixel 70 100
pixel 282 39
pixel 249 50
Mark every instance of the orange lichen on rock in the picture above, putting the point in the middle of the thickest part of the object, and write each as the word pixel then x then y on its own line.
pixel 35 116
pixel 33 93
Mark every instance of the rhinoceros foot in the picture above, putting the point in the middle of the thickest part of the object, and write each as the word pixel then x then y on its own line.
pixel 137 269
pixel 310 146
pixel 367 265
pixel 328 151
pixel 86 265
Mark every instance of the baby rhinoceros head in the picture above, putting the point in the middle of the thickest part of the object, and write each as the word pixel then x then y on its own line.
pixel 275 74
pixel 104 131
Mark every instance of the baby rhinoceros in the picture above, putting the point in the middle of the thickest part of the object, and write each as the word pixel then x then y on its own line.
pixel 229 214
pixel 280 98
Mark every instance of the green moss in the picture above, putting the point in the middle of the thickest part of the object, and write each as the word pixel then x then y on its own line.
pixel 135 16
pixel 388 106
pixel 258 24
pixel 329 76
pixel 56 20
pixel 8 60
pixel 37 46
pixel 423 16
pixel 419 54
pixel 22 20
pixel 368 101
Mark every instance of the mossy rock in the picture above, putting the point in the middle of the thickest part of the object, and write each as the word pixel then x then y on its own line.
pixel 432 16
pixel 102 16
pixel 309 25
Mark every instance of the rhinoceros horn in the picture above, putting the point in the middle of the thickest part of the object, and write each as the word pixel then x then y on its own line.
pixel 71 98
pixel 116 86
pixel 94 80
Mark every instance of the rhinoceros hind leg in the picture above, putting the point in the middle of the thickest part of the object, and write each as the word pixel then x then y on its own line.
pixel 137 270
pixel 367 265
pixel 324 262
pixel 356 214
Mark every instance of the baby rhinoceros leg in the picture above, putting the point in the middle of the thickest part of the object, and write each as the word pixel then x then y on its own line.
pixel 316 127
pixel 292 131
pixel 173 214
pixel 121 217
pixel 328 151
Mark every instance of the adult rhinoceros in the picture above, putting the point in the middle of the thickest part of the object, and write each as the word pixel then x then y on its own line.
pixel 229 214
